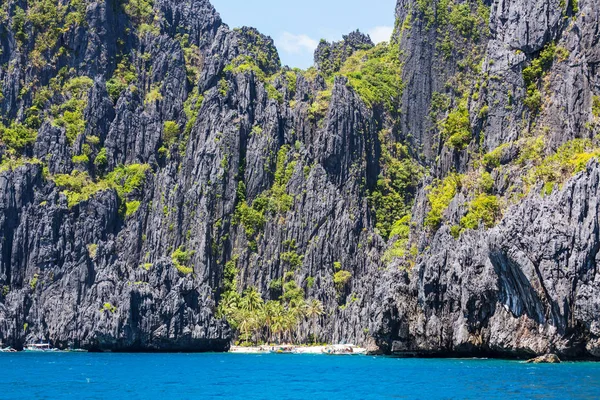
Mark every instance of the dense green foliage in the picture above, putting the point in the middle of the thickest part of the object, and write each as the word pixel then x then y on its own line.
pixel 492 159
pixel 252 218
pixel 260 48
pixel 456 128
pixel 192 56
pixel 230 273
pixel 257 321
pixel 45 21
pixel 279 201
pixel 92 249
pixel 79 186
pixel 440 195
pixel 596 106
pixel 271 202
pixel 132 207
pixel 469 19
pixel 531 150
pixel 153 95
pixel 11 163
pixel 191 107
pixel 80 159
pixel 464 21
pixel 290 259
pixel 69 115
pixel 548 170
pixel 274 320
pixel 396 187
pixel 170 131
pixel 341 279
pixel 108 307
pixel 399 249
pixel 17 137
pixel 375 74
pixel 320 105
pixel 532 75
pixel 123 76
pixel 242 64
pixel 34 281
pixel 101 159
pixel 482 209
pixel 140 11
pixel 128 178
pixel 332 56
pixel 181 259
pixel 570 158
pixel 246 64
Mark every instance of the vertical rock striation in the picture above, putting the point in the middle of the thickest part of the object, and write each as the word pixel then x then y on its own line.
pixel 149 152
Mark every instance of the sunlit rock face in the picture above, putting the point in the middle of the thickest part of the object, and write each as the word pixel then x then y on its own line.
pixel 434 193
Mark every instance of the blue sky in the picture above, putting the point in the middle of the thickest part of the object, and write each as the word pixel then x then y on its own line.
pixel 297 26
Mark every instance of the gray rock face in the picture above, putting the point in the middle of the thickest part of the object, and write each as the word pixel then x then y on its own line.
pixel 525 287
pixel 518 289
pixel 204 112
pixel 329 57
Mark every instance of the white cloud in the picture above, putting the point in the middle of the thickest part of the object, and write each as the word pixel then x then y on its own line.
pixel 296 44
pixel 381 34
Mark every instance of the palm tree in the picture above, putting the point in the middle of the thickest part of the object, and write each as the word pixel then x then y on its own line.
pixel 278 326
pixel 296 311
pixel 251 300
pixel 245 325
pixel 290 321
pixel 251 305
pixel 314 310
pixel 270 312
pixel 229 308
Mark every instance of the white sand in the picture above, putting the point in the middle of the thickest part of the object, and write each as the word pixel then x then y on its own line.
pixel 296 349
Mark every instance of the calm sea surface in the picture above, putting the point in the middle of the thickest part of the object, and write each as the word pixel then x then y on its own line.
pixel 273 376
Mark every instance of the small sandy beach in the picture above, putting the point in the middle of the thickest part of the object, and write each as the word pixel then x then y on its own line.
pixel 294 349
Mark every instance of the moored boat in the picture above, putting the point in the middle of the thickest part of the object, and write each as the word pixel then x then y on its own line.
pixel 282 349
pixel 8 350
pixel 39 347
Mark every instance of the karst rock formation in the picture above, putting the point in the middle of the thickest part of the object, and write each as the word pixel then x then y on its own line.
pixel 439 193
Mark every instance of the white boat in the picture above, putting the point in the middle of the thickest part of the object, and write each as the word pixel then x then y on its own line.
pixel 39 347
pixel 7 350
pixel 282 349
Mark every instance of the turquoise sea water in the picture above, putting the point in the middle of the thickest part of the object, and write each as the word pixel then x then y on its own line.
pixel 273 376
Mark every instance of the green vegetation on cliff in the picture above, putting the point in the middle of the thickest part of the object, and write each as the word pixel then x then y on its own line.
pixel 532 75
pixel 456 128
pixel 181 259
pixel 396 187
pixel 79 186
pixel 483 209
pixel 269 203
pixel 69 114
pixel 570 158
pixel 440 195
pixel 17 137
pixel 376 74
pixel 596 106
pixel 123 76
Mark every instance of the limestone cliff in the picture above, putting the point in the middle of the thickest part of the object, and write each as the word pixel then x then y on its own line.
pixel 435 193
